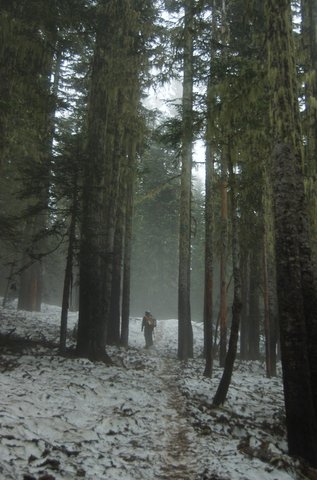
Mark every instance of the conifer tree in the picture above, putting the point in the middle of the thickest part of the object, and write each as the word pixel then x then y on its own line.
pixel 308 58
pixel 29 40
pixel 185 333
pixel 296 287
pixel 208 286
pixel 114 95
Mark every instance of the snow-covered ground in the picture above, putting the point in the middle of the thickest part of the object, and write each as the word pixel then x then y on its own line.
pixel 148 417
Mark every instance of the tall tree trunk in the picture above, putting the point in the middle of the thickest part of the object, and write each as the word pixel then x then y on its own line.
pixel 295 278
pixel 68 271
pixel 223 261
pixel 269 327
pixel 208 287
pixel 221 393
pixel 309 54
pixel 300 412
pixel 267 330
pixel 270 293
pixel 110 211
pixel 112 114
pixel 8 285
pixel 185 333
pixel 113 337
pixel 273 311
pixel 30 292
pixel 245 285
pixel 308 226
pixel 209 210
pixel 254 307
pixel 126 287
pixel 91 338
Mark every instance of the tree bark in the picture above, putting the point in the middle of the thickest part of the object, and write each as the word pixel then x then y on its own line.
pixel 31 271
pixel 94 259
pixel 221 393
pixel 185 333
pixel 68 271
pixel 296 288
pixel 113 336
pixel 300 412
pixel 223 262
pixel 208 292
pixel 126 287
pixel 244 321
pixel 309 55
pixel 270 293
pixel 254 306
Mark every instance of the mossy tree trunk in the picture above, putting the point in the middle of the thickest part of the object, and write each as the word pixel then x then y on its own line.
pixel 296 288
pixel 269 280
pixel 113 119
pixel 309 56
pixel 99 185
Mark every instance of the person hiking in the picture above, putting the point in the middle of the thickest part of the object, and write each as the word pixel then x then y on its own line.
pixel 148 324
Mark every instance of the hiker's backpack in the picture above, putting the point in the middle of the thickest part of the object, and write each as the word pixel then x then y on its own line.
pixel 151 321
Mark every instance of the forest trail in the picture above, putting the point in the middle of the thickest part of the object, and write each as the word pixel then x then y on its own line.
pixel 180 462
pixel 179 458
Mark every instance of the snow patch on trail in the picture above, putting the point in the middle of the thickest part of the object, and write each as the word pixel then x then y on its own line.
pixel 146 417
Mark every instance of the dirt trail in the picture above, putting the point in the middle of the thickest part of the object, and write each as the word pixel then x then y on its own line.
pixel 180 459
